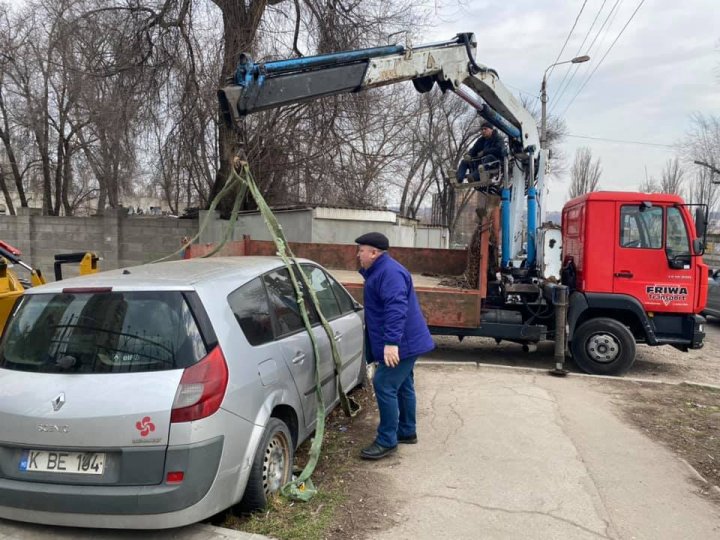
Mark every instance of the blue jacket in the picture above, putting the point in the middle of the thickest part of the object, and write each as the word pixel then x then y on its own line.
pixel 392 311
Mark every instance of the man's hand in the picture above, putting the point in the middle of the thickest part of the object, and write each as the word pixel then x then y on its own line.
pixel 467 158
pixel 392 355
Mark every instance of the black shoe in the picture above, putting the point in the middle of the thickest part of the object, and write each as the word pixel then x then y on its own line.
pixel 411 439
pixel 375 451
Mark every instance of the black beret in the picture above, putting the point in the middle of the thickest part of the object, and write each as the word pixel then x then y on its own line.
pixel 487 125
pixel 374 239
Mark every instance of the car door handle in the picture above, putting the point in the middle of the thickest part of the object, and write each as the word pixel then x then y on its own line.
pixel 338 336
pixel 298 358
pixel 624 274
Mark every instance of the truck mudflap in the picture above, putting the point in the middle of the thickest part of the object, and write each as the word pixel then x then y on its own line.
pixel 698 339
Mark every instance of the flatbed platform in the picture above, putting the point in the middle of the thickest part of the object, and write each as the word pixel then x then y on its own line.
pixel 419 281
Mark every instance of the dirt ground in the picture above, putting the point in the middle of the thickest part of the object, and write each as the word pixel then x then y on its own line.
pixel 348 506
pixel 685 418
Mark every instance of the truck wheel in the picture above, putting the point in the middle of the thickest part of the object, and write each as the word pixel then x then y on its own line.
pixel 603 347
pixel 272 466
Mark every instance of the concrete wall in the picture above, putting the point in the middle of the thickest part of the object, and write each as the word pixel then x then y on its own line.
pixel 432 237
pixel 296 224
pixel 329 231
pixel 303 226
pixel 122 240
pixel 118 239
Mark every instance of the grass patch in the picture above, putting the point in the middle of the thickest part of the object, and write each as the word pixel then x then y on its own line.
pixel 335 478
pixel 290 520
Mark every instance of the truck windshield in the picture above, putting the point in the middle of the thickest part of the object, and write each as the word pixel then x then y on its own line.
pixel 108 332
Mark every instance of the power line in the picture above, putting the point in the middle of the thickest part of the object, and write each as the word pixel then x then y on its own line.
pixel 567 39
pixel 621 141
pixel 570 66
pixel 608 19
pixel 536 97
pixel 604 56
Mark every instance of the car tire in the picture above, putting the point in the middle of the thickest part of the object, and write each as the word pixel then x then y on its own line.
pixel 272 466
pixel 603 346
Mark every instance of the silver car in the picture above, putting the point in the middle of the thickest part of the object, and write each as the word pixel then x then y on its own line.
pixel 159 395
pixel 713 297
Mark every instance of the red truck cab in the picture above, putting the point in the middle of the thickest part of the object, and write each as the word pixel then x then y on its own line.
pixel 634 264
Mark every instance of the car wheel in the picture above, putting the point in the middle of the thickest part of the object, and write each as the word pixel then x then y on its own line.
pixel 603 347
pixel 272 466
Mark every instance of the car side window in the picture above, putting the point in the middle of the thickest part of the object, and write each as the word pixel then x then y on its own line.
pixel 347 304
pixel 323 290
pixel 641 227
pixel 283 302
pixel 250 305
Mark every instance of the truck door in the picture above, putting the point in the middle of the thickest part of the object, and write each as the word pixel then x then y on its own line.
pixel 652 257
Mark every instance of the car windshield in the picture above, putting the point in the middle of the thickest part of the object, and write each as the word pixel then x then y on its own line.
pixel 101 332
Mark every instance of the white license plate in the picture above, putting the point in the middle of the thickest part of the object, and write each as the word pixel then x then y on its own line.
pixel 62 462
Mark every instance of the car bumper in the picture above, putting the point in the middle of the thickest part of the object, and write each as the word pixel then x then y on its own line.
pixel 113 506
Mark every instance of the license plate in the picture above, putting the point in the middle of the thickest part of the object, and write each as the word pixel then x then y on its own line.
pixel 62 462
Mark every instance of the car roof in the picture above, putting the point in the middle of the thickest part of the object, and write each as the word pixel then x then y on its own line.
pixel 172 275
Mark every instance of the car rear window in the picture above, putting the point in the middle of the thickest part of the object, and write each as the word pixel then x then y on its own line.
pixel 106 332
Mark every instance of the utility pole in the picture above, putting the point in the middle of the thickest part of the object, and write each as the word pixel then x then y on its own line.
pixel 544 98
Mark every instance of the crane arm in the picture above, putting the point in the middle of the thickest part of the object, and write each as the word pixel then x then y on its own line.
pixel 450 64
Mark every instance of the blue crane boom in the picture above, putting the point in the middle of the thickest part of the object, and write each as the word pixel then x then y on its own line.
pixel 449 64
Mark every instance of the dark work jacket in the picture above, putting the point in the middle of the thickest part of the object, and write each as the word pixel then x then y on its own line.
pixel 493 146
pixel 392 311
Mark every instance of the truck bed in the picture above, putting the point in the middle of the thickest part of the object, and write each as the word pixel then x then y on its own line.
pixel 419 281
pixel 443 306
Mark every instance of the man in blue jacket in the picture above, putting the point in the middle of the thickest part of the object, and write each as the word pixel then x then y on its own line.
pixel 396 334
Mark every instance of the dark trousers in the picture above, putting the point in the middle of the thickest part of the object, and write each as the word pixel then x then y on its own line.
pixel 395 394
pixel 474 176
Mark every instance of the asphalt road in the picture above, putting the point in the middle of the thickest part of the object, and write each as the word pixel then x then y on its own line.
pixel 656 363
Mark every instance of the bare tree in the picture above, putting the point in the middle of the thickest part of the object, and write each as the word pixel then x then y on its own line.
pixel 671 180
pixel 584 174
pixel 702 144
pixel 649 185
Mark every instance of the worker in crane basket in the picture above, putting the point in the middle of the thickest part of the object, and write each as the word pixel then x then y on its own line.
pixel 485 155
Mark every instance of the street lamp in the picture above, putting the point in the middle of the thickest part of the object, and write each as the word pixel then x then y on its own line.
pixel 544 99
pixel 712 168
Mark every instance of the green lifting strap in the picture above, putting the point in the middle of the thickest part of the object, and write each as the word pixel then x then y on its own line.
pixel 302 487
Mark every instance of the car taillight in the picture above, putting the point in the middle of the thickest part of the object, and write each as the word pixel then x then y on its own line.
pixel 201 389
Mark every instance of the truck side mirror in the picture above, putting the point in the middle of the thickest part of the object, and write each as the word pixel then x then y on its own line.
pixel 700 222
pixel 698 246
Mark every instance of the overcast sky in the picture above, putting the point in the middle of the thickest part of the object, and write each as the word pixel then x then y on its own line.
pixel 665 66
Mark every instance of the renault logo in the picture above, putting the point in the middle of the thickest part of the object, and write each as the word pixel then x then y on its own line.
pixel 58 402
